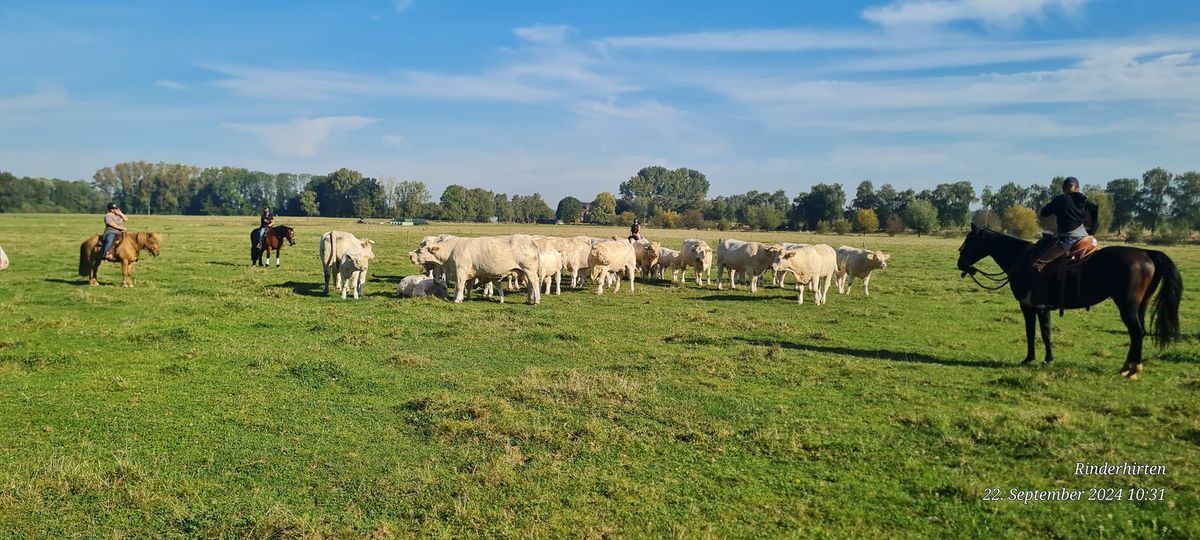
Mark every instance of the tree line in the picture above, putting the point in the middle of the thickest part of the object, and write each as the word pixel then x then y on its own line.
pixel 1159 202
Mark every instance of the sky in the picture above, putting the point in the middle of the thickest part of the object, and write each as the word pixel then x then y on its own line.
pixel 571 98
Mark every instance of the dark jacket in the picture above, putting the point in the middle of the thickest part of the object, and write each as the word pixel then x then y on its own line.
pixel 1072 210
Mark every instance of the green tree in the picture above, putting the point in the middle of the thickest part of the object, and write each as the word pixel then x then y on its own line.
pixel 1124 197
pixel 887 202
pixel 604 209
pixel 570 210
pixel 1009 194
pixel 895 225
pixel 1104 203
pixel 504 207
pixel 1185 201
pixel 481 204
pixel 1020 221
pixel 865 196
pixel 921 216
pixel 1152 198
pixel 308 203
pixel 865 220
pixel 823 203
pixel 411 197
pixel 678 190
pixel 454 203
pixel 953 203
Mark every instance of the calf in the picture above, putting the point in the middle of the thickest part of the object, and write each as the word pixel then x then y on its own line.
pixel 806 265
pixel 420 285
pixel 696 254
pixel 646 253
pixel 552 265
pixel 749 258
pixel 668 259
pixel 853 263
pixel 332 246
pixel 777 278
pixel 352 269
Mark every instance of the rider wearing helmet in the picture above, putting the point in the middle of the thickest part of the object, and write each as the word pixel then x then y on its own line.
pixel 264 222
pixel 114 224
pixel 1076 218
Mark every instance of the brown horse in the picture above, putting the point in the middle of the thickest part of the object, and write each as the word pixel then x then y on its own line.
pixel 127 252
pixel 272 240
pixel 1127 275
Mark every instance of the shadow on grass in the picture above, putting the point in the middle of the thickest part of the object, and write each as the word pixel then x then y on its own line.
pixel 76 282
pixel 384 279
pixel 224 263
pixel 738 297
pixel 893 356
pixel 303 289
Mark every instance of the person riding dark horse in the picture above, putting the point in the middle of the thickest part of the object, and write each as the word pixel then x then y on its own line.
pixel 1076 218
pixel 114 225
pixel 265 222
pixel 635 232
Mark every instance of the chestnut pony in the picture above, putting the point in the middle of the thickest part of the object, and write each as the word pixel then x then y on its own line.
pixel 126 252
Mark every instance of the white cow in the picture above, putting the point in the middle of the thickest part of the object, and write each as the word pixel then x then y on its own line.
pixel 420 285
pixel 493 259
pixel 668 259
pixel 778 278
pixel 806 265
pixel 432 266
pixel 3 259
pixel 612 257
pixel 575 252
pixel 552 265
pixel 853 263
pixel 352 269
pixel 646 253
pixel 335 243
pixel 696 254
pixel 749 258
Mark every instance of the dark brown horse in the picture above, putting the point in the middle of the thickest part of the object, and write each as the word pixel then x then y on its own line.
pixel 127 253
pixel 272 240
pixel 1127 275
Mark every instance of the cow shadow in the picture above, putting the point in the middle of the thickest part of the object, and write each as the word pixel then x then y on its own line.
pixel 736 297
pixel 384 279
pixel 75 282
pixel 302 289
pixel 884 354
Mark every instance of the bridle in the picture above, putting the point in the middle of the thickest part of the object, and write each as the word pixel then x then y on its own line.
pixel 1000 278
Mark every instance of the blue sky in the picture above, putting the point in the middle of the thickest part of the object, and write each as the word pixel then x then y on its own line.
pixel 565 97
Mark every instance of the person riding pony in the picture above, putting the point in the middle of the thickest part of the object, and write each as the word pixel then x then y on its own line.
pixel 1076 218
pixel 114 224
pixel 265 222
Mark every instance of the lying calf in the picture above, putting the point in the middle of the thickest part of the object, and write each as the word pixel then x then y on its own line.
pixel 420 285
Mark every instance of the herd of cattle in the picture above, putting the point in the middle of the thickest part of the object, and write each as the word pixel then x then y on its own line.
pixel 536 262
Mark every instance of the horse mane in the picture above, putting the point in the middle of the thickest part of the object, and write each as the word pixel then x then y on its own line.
pixel 993 232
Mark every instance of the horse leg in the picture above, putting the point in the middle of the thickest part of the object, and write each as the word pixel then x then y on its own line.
pixel 1030 314
pixel 1044 322
pixel 277 250
pixel 1137 332
pixel 127 271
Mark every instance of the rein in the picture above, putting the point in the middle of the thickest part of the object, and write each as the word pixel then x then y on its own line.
pixel 994 277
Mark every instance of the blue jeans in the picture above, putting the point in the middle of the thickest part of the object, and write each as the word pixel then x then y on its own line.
pixel 109 238
pixel 262 234
pixel 1068 239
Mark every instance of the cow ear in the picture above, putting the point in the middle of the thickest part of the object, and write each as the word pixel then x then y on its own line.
pixel 870 255
pixel 886 257
pixel 434 249
pixel 790 254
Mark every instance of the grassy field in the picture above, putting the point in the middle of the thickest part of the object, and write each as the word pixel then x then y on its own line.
pixel 216 399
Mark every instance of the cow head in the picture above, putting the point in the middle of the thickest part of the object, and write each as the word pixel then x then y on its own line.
pixel 368 248
pixel 877 259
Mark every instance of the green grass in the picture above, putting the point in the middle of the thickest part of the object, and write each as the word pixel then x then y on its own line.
pixel 215 399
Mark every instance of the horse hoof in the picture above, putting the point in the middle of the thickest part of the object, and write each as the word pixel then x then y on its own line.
pixel 1027 361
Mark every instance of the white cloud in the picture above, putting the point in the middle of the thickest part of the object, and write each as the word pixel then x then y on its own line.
pixel 45 97
pixel 402 5
pixel 543 33
pixel 170 85
pixel 302 137
pixel 992 13
pixel 757 40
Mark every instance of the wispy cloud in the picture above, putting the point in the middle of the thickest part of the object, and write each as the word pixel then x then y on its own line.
pixel 757 40
pixel 45 97
pixel 302 137
pixel 393 141
pixel 170 85
pixel 1007 14
pixel 543 33
pixel 402 5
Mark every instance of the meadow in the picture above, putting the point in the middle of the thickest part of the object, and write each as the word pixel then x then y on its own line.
pixel 217 399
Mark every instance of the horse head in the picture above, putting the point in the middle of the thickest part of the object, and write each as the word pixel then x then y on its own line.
pixel 290 236
pixel 150 241
pixel 973 249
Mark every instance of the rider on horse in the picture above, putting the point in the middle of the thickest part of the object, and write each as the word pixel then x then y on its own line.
pixel 114 224
pixel 1076 218
pixel 264 223
pixel 635 232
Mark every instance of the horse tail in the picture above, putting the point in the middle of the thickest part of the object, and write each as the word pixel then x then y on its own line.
pixel 85 267
pixel 1164 315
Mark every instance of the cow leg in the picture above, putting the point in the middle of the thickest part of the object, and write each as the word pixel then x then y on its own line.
pixel 557 283
pixel 866 285
pixel 825 291
pixel 631 289
pixel 326 270
pixel 1030 333
pixel 799 292
pixel 1044 323
pixel 362 280
pixel 720 270
pixel 460 285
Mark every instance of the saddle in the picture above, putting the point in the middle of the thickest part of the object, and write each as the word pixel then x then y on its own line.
pixel 120 239
pixel 1056 265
